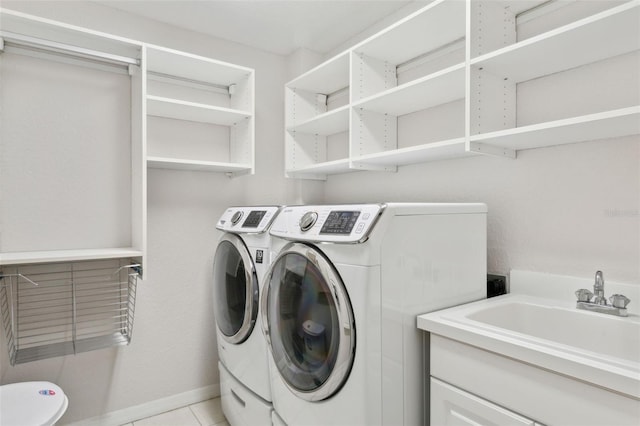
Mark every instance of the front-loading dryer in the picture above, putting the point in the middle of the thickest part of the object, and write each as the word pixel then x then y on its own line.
pixel 241 260
pixel 340 301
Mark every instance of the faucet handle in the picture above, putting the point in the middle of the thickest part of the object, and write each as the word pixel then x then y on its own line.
pixel 584 295
pixel 619 300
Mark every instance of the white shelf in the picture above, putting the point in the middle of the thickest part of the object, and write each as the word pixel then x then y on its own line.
pixel 434 26
pixel 326 78
pixel 196 165
pixel 229 101
pixel 21 258
pixel 611 124
pixel 435 89
pixel 604 35
pixel 191 111
pixel 443 150
pixel 326 124
pixel 193 67
pixel 328 167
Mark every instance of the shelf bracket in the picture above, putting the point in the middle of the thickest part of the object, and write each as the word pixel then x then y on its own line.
pixel 496 151
pixel 321 99
pixel 359 165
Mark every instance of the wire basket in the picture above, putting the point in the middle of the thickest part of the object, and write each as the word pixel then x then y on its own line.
pixel 57 309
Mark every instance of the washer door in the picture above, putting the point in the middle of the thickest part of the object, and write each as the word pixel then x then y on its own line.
pixel 308 321
pixel 235 289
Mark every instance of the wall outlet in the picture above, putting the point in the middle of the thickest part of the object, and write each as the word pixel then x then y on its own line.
pixel 496 285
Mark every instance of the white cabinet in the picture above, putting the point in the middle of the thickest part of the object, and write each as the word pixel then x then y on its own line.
pixel 460 78
pixel 469 384
pixel 451 406
pixel 200 113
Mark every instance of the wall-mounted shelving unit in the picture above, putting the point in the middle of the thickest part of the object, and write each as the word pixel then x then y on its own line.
pixel 561 50
pixel 89 203
pixel 456 68
pixel 317 115
pixel 73 170
pixel 72 183
pixel 218 96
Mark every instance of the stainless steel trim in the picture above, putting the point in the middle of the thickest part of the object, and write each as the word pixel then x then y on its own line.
pixel 602 309
pixel 308 220
pixel 252 291
pixel 347 339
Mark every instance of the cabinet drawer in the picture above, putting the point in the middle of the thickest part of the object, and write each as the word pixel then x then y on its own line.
pixel 452 406
pixel 240 406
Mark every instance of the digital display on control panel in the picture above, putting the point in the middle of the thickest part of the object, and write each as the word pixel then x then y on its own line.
pixel 340 222
pixel 254 218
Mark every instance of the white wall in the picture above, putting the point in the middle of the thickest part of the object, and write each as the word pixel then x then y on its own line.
pixel 568 210
pixel 173 349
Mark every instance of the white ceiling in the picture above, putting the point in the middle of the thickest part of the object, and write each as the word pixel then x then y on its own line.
pixel 277 26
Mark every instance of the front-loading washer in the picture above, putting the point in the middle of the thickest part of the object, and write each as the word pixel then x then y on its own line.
pixel 241 260
pixel 340 301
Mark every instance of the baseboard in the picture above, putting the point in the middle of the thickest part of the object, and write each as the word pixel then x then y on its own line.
pixel 151 408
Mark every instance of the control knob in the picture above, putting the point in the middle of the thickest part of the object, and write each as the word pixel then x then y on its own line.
pixel 307 221
pixel 236 217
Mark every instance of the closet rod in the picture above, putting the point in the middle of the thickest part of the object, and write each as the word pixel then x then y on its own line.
pixel 188 82
pixel 19 40
pixel 541 10
pixel 446 49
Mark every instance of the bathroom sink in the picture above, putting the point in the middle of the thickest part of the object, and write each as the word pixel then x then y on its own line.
pixel 598 333
pixel 551 334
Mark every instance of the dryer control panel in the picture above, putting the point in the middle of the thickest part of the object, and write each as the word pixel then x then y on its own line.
pixel 249 220
pixel 347 223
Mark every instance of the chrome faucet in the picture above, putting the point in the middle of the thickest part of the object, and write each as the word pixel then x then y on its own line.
pixel 598 290
pixel 618 304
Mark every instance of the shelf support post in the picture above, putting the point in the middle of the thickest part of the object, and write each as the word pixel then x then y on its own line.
pixel 496 151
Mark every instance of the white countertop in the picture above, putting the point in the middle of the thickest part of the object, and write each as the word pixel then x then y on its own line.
pixel 552 334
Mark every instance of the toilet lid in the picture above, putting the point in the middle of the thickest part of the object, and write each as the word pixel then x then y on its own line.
pixel 31 403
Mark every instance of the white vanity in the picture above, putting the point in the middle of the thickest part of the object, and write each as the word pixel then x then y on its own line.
pixel 530 357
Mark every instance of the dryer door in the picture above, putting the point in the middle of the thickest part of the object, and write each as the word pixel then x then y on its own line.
pixel 308 321
pixel 235 289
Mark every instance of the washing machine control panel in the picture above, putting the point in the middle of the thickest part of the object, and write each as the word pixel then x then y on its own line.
pixel 333 223
pixel 252 220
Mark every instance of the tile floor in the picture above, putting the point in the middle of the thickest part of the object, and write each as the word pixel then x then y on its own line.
pixel 206 413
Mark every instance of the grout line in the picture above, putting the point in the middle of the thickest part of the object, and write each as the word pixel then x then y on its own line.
pixel 194 414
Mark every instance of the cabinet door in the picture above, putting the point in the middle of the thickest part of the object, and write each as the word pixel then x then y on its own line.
pixel 451 406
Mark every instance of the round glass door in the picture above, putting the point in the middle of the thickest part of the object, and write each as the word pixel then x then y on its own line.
pixel 308 321
pixel 235 289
